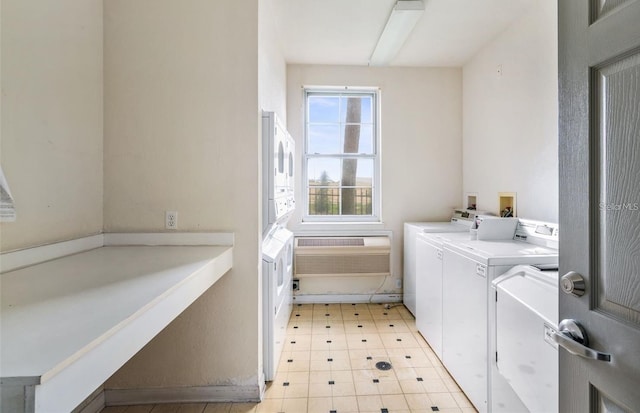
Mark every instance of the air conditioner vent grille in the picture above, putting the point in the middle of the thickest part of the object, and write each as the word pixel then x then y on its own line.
pixel 342 265
pixel 331 242
pixel 342 256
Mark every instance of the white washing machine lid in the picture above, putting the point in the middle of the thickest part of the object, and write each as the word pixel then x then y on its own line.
pixel 451 226
pixel 509 252
pixel 536 289
pixel 282 234
pixel 438 239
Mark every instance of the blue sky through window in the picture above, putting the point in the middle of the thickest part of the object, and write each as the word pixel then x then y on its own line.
pixel 325 133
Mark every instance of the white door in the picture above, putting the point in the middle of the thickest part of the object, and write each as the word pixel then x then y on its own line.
pixel 599 79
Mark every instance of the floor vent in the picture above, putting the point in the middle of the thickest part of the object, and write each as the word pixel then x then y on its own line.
pixel 342 256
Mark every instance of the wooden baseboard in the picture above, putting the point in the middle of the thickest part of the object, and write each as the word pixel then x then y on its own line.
pixel 201 394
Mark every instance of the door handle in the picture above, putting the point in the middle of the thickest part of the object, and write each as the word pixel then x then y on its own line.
pixel 572 337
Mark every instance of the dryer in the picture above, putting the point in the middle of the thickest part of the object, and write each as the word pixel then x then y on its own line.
pixel 277 258
pixel 278 172
pixel 461 221
pixel 468 269
pixel 525 318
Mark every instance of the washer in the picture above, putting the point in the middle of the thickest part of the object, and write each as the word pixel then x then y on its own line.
pixel 526 366
pixel 277 256
pixel 461 221
pixel 429 285
pixel 468 269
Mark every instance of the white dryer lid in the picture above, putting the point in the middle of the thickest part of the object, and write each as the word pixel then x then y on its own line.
pixel 534 288
pixel 272 248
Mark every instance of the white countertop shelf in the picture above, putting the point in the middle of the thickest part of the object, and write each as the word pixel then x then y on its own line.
pixel 69 323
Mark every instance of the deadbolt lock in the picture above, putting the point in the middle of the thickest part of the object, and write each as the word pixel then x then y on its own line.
pixel 573 283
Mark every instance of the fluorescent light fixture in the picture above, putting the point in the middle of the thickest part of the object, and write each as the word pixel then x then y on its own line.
pixel 403 18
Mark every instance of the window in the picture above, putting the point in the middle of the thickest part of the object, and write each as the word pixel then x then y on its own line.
pixel 341 156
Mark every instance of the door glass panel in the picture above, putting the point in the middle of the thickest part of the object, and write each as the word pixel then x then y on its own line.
pixel 618 238
pixel 280 270
pixel 280 158
pixel 290 164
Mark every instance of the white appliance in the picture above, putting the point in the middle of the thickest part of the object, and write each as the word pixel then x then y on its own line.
pixel 468 269
pixel 525 316
pixel 277 260
pixel 278 172
pixel 429 285
pixel 461 221
pixel 277 247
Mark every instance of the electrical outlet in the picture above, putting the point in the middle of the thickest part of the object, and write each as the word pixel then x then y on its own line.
pixel 171 220
pixel 398 283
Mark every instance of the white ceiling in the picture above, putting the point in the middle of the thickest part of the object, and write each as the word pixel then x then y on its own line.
pixel 345 32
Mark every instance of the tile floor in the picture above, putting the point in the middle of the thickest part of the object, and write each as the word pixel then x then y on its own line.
pixel 329 365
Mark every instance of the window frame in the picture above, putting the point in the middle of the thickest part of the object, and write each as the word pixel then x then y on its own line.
pixel 376 185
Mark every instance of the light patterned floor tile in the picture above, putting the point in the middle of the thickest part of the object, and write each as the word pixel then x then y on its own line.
pixel 394 402
pixel 346 404
pixel 411 386
pixel 364 388
pixel 243 407
pixel 346 356
pixel 390 387
pixel 370 403
pixel 418 401
pixel 319 404
pixel 462 400
pixel 434 386
pixel 217 408
pixel 443 400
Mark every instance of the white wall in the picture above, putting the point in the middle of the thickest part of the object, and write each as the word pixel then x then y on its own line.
pixel 52 118
pixel 272 79
pixel 421 119
pixel 182 134
pixel 510 120
pixel 272 69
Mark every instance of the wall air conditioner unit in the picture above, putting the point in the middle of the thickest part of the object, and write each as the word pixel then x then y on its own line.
pixel 342 257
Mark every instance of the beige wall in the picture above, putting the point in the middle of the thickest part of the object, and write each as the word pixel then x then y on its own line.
pixel 421 118
pixel 272 79
pixel 51 136
pixel 510 121
pixel 182 134
pixel 272 69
